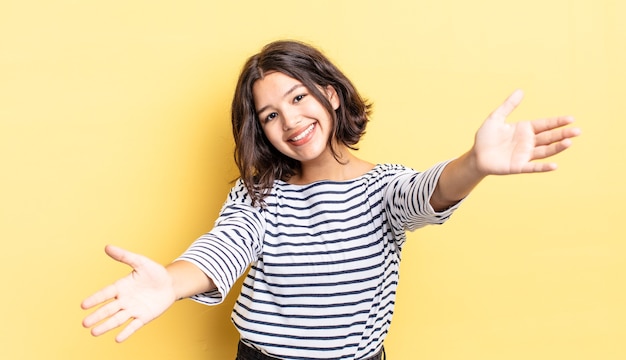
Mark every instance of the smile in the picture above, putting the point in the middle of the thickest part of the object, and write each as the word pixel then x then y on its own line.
pixel 303 134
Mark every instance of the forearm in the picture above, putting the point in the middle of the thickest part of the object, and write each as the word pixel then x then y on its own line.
pixel 457 180
pixel 188 279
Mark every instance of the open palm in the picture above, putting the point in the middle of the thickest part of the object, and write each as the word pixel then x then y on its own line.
pixel 140 297
pixel 510 148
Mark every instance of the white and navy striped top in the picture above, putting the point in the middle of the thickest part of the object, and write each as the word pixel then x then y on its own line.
pixel 324 260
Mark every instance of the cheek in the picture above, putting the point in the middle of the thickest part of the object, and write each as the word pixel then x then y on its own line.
pixel 272 134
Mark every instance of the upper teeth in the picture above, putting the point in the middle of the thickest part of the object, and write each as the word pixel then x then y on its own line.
pixel 304 133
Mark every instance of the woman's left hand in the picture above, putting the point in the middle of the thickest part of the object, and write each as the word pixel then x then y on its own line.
pixel 502 148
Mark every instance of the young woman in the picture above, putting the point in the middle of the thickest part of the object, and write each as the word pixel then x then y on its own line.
pixel 320 229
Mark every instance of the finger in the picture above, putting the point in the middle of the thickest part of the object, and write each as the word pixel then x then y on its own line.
pixel 124 256
pixel 508 105
pixel 536 167
pixel 541 125
pixel 102 296
pixel 555 135
pixel 130 329
pixel 102 313
pixel 115 321
pixel 542 152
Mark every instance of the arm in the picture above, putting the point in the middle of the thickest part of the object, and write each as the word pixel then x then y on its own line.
pixel 150 289
pixel 143 295
pixel 188 279
pixel 502 149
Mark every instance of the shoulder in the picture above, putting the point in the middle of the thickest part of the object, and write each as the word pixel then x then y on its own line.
pixel 379 177
pixel 382 176
pixel 240 195
pixel 386 172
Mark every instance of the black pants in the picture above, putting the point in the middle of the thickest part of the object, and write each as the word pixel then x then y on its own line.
pixel 245 352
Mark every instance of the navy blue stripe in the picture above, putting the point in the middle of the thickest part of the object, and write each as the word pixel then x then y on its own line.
pixel 303 244
pixel 306 306
pixel 281 324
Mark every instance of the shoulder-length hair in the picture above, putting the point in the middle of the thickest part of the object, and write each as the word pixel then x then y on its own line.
pixel 259 163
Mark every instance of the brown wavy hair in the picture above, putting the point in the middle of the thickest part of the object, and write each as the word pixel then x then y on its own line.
pixel 259 163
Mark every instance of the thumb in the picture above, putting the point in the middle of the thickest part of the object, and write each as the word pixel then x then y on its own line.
pixel 507 106
pixel 124 256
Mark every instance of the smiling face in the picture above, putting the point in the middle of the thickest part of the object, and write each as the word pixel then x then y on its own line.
pixel 293 120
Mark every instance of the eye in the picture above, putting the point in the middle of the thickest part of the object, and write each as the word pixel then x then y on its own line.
pixel 298 98
pixel 271 116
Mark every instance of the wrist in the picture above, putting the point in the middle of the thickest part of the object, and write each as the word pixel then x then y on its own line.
pixel 471 166
pixel 188 280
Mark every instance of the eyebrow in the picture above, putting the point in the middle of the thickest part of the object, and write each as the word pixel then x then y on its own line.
pixel 287 93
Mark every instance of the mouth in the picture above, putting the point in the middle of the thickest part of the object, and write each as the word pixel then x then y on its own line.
pixel 302 135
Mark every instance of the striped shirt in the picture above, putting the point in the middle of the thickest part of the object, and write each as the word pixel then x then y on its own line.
pixel 324 260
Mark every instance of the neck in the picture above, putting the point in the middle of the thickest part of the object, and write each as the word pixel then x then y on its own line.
pixel 345 167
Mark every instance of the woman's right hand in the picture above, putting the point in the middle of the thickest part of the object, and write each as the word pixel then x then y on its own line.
pixel 140 297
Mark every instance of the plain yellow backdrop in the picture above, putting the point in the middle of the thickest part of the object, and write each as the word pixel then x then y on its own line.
pixel 114 128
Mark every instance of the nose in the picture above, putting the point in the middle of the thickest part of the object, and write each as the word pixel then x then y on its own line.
pixel 291 119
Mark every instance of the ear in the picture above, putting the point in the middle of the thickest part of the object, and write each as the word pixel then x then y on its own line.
pixel 332 96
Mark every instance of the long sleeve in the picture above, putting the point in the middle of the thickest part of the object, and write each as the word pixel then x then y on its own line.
pixel 235 241
pixel 407 200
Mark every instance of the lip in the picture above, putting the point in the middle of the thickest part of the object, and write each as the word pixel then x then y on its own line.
pixel 303 135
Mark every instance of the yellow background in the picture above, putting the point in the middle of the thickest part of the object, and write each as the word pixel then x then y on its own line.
pixel 114 128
